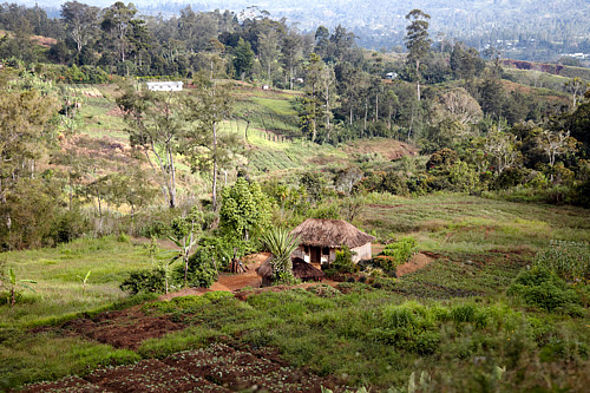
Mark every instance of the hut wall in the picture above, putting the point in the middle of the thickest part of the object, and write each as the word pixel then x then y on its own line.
pixel 332 255
pixel 300 253
pixel 362 253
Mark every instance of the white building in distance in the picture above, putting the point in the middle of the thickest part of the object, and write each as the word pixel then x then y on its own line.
pixel 164 86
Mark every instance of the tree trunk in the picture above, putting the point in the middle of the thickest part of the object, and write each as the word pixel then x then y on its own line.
pixel 377 107
pixel 418 78
pixel 172 179
pixel 366 113
pixel 246 130
pixel 214 186
pixel 328 107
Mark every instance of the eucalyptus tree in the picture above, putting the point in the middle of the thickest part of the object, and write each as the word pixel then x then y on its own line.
pixel 291 54
pixel 156 125
pixel 81 21
pixel 205 147
pixel 417 41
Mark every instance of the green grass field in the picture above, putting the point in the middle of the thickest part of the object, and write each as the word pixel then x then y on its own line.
pixel 59 273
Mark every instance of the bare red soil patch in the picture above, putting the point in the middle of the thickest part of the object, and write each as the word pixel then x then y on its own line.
pixel 418 261
pixel 123 329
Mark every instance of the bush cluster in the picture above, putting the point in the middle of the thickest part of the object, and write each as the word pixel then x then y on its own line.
pixel 540 287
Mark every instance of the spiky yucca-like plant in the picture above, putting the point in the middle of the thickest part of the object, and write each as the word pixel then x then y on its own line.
pixel 281 245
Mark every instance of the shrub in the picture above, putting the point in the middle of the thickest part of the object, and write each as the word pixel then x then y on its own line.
pixel 394 183
pixel 401 250
pixel 343 262
pixel 510 177
pixel 442 158
pixel 387 264
pixel 540 287
pixel 469 313
pixel 70 225
pixel 123 238
pixel 201 269
pixel 144 281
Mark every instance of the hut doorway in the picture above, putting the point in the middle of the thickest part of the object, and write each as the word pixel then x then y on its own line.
pixel 315 254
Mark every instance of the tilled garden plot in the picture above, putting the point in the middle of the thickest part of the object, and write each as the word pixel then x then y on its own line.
pixel 123 329
pixel 218 368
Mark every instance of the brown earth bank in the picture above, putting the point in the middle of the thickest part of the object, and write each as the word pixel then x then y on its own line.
pixel 390 149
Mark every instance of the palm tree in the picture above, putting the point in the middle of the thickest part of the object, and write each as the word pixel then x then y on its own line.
pixel 281 245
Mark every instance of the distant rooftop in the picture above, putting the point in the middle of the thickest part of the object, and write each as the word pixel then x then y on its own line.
pixel 165 86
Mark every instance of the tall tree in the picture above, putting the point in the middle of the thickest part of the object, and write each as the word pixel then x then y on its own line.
pixel 417 41
pixel 577 87
pixel 81 22
pixel 24 137
pixel 291 49
pixel 204 145
pixel 268 50
pixel 117 25
pixel 156 125
pixel 243 59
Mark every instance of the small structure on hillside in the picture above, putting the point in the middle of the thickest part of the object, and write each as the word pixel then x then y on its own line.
pixel 301 270
pixel 165 86
pixel 319 239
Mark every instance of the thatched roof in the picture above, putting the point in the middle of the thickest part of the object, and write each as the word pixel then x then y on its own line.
pixel 306 271
pixel 301 270
pixel 330 233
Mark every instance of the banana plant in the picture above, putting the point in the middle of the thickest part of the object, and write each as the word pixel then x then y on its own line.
pixel 14 284
pixel 85 280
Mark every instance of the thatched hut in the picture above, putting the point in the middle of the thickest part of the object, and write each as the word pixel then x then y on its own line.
pixel 301 270
pixel 319 239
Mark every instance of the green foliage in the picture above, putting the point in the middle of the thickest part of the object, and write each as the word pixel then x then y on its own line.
pixel 343 261
pixel 442 159
pixel 144 281
pixel 541 288
pixel 281 245
pixel 569 260
pixel 314 183
pixel 245 209
pixel 401 250
pixel 201 271
pixel 243 59
pixel 327 211
pixel 463 177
